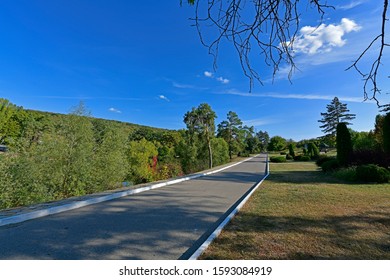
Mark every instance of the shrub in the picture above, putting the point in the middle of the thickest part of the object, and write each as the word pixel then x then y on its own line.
pixel 344 144
pixel 313 151
pixel 289 157
pixel 302 158
pixel 283 153
pixel 372 173
pixel 322 159
pixel 330 165
pixel 305 158
pixel 291 151
pixel 277 159
pixel 347 174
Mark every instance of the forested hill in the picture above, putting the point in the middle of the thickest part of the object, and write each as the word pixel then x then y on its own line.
pixel 53 156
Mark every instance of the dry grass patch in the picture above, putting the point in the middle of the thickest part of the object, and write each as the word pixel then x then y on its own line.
pixel 300 213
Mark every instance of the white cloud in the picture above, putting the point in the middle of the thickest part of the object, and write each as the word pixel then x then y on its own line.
pixel 351 5
pixel 114 110
pixel 177 85
pixel 223 80
pixel 260 122
pixel 297 96
pixel 163 97
pixel 322 39
pixel 208 74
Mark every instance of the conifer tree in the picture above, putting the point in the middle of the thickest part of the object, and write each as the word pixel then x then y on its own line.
pixel 337 112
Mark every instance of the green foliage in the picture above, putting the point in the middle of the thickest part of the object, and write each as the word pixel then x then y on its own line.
pixel 277 159
pixel 200 123
pixel 264 140
pixel 220 151
pixel 348 174
pixel 386 134
pixel 291 151
pixel 231 131
pixel 140 157
pixel 372 173
pixel 312 150
pixel 344 144
pixel 363 141
pixel 337 112
pixel 110 163
pixel 330 165
pixel 322 159
pixel 277 143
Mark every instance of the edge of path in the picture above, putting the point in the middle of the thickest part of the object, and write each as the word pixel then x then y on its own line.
pixel 98 198
pixel 207 238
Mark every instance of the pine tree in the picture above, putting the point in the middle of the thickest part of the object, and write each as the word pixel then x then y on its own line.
pixel 337 112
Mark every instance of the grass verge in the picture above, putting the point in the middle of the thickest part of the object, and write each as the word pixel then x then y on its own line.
pixel 302 213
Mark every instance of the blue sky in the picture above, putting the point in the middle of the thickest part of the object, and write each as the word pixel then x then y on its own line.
pixel 142 62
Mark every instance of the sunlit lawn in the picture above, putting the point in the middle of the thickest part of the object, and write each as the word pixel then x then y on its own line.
pixel 301 213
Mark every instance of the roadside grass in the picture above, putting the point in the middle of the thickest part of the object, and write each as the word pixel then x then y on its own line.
pixel 301 213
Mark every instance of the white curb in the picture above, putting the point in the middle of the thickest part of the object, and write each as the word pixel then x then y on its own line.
pixel 78 204
pixel 219 229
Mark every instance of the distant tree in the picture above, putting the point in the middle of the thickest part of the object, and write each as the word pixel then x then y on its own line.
pixel 378 130
pixel 337 112
pixel 7 111
pixel 343 144
pixel 140 156
pixel 291 151
pixel 230 131
pixel 263 138
pixel 312 150
pixel 201 122
pixel 386 134
pixel 220 151
pixel 277 143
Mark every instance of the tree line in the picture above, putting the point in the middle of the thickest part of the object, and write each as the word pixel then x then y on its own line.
pixel 54 156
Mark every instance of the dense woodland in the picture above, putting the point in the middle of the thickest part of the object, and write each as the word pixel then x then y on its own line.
pixel 53 156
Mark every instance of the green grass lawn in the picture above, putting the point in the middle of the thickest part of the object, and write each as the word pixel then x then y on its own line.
pixel 302 213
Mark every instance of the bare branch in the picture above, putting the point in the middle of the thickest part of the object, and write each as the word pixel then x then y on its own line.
pixel 256 26
pixel 370 79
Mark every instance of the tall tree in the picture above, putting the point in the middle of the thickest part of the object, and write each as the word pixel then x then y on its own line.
pixel 230 131
pixel 264 139
pixel 201 122
pixel 343 144
pixel 337 112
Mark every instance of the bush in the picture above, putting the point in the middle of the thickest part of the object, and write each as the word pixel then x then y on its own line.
pixel 347 174
pixel 277 159
pixel 283 153
pixel 322 159
pixel 372 173
pixel 305 158
pixel 330 165
pixel 302 158
pixel 344 144
pixel 289 157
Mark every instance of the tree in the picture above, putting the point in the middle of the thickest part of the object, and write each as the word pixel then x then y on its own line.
pixel 270 28
pixel 200 122
pixel 386 134
pixel 343 144
pixel 263 138
pixel 277 143
pixel 229 130
pixel 140 156
pixel 337 112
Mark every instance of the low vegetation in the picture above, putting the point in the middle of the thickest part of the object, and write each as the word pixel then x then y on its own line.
pixel 52 156
pixel 300 212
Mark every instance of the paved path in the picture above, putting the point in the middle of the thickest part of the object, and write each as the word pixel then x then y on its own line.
pixel 166 223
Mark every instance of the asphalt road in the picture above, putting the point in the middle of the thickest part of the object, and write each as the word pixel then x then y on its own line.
pixel 167 223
